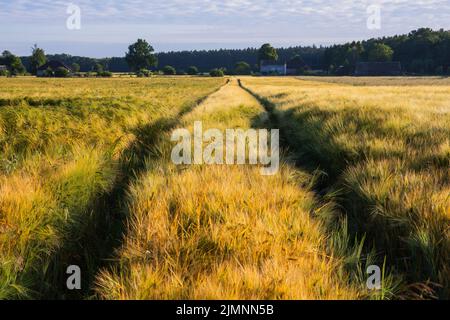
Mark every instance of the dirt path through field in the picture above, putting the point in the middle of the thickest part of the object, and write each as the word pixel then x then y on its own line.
pixel 221 231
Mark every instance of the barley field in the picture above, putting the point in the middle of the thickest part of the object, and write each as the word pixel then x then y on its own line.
pixel 383 147
pixel 214 232
pixel 67 147
pixel 86 178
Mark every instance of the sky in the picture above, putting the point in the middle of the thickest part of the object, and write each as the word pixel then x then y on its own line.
pixel 107 27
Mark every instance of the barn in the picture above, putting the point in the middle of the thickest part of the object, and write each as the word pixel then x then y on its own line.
pixel 378 69
pixel 268 67
pixel 52 65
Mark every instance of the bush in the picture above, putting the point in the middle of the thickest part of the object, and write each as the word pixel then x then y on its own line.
pixel 49 73
pixel 192 71
pixel 169 71
pixel 61 72
pixel 97 68
pixel 75 67
pixel 143 73
pixel 105 74
pixel 242 68
pixel 4 73
pixel 216 73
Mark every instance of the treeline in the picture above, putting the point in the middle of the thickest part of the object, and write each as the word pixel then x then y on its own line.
pixel 422 51
pixel 204 60
pixel 86 64
pixel 227 59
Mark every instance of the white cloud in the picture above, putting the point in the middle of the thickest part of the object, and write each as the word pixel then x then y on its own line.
pixel 142 10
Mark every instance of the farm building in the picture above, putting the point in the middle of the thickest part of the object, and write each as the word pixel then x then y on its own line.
pixel 3 68
pixel 52 65
pixel 378 69
pixel 272 68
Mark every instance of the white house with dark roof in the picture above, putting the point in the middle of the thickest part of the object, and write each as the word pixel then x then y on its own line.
pixel 268 67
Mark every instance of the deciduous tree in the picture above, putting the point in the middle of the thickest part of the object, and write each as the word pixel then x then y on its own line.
pixel 381 53
pixel 267 52
pixel 140 55
pixel 37 58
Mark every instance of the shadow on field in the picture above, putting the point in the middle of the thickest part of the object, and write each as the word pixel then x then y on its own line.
pixel 104 228
pixel 93 247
